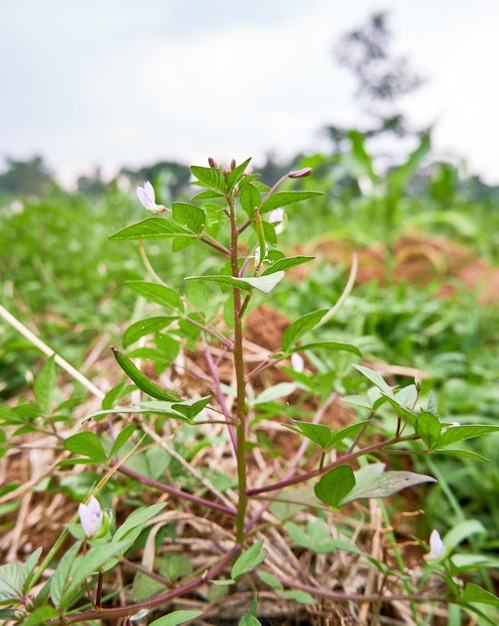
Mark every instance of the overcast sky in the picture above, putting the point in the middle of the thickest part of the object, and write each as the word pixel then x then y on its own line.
pixel 121 82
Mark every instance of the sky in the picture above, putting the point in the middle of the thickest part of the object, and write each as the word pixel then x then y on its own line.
pixel 112 83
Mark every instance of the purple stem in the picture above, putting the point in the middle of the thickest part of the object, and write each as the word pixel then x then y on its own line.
pixel 182 495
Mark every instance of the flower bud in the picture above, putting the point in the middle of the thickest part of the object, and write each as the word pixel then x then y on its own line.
pixel 91 517
pixel 233 165
pixel 306 171
pixel 212 163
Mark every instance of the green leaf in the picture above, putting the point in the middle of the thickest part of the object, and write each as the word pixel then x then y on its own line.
pixel 236 174
pixel 249 620
pixel 191 408
pixel 283 198
pixel 318 433
pixel 145 327
pixel 299 327
pixel 273 393
pixel 334 346
pixel 460 433
pixel 474 593
pixel 463 530
pixel 428 428
pixel 89 564
pixel 347 432
pixel 177 617
pixel 270 580
pixel 136 521
pixel 250 198
pixel 151 228
pixel 45 385
pixel 60 580
pixel 282 265
pixel 371 481
pixel 87 444
pixel 210 177
pixel 464 454
pixel 248 560
pixel 164 296
pixel 123 436
pixel 40 616
pixel 377 380
pixel 265 284
pixel 141 380
pixel 168 347
pixel 11 582
pixel 334 486
pixel 189 215
pixel 302 597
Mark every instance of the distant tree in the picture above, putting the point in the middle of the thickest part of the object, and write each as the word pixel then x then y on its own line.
pixel 92 185
pixel 26 178
pixel 172 176
pixel 381 79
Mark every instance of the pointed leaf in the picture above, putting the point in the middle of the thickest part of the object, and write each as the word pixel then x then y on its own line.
pixel 334 486
pixel 250 198
pixel 318 433
pixel 151 228
pixel 265 284
pixel 176 617
pixel 273 393
pixel 123 436
pixel 248 560
pixel 141 380
pixel 136 520
pixel 299 327
pixel 191 408
pixel 210 177
pixel 236 174
pixel 87 444
pixel 460 433
pixel 164 296
pixel 189 215
pixel 377 380
pixel 428 428
pixel 145 327
pixel 373 482
pixel 328 345
pixel 474 593
pixel 45 385
pixel 286 263
pixel 283 198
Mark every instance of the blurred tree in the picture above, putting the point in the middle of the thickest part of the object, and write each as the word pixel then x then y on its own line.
pixel 170 178
pixel 381 79
pixel 26 178
pixel 92 185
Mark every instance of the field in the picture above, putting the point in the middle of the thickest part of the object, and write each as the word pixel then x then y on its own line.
pixel 285 403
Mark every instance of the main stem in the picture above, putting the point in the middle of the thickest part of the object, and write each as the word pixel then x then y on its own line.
pixel 240 383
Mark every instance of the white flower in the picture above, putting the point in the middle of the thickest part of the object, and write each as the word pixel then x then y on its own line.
pixel 147 198
pixel 258 260
pixel 297 363
pixel 277 217
pixel 91 517
pixel 437 547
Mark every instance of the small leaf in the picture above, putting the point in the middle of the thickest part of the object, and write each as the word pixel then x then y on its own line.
pixel 164 296
pixel 189 215
pixel 377 380
pixel 210 177
pixel 273 393
pixel 59 581
pixel 373 482
pixel 141 380
pixel 175 618
pixel 283 198
pixel 334 486
pixel 236 174
pixel 302 597
pixel 45 385
pixel 474 593
pixel 461 531
pixel 299 327
pixel 151 228
pixel 136 520
pixel 460 433
pixel 328 345
pixel 428 428
pixel 87 444
pixel 270 580
pixel 265 284
pixel 250 198
pixel 40 616
pixel 145 327
pixel 248 560
pixel 318 433
pixel 191 408
pixel 249 620
pixel 123 436
pixel 287 263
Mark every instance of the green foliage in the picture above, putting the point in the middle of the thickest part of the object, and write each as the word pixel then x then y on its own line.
pixel 152 437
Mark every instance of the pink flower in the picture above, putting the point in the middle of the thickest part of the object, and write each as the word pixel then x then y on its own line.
pixel 277 217
pixel 147 198
pixel 297 362
pixel 90 517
